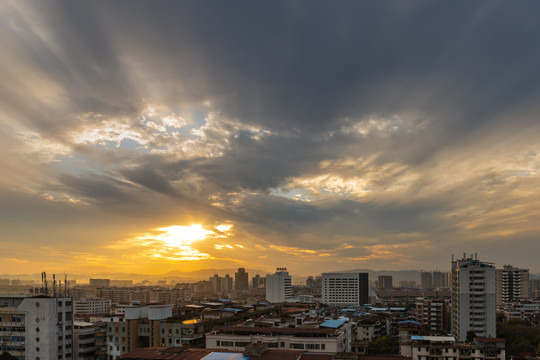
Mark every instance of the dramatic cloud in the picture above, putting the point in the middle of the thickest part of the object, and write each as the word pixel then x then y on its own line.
pixel 348 135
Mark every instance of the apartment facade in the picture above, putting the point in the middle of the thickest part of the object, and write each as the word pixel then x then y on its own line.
pixel 473 298
pixel 278 338
pixel 241 279
pixel 385 282
pixel 446 348
pixel 433 314
pixel 36 327
pixel 345 289
pixel 512 284
pixel 278 286
pixel 92 306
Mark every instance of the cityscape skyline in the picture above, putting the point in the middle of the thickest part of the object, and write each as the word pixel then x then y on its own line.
pixel 140 138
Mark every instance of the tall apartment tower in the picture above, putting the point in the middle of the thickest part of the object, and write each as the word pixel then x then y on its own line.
pixel 278 286
pixel 257 281
pixel 37 327
pixel 473 298
pixel 512 284
pixel 426 280
pixel 440 279
pixel 241 279
pixel 385 282
pixel 226 283
pixel 345 289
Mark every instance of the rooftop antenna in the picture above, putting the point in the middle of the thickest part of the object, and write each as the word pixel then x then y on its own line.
pixel 46 292
pixel 54 284
pixel 475 256
pixel 464 256
pixel 66 291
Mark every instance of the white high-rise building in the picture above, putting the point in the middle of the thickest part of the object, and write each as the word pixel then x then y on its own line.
pixel 36 327
pixel 278 286
pixel 345 289
pixel 473 298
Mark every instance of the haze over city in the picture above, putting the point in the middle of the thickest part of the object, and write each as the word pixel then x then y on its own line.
pixel 145 137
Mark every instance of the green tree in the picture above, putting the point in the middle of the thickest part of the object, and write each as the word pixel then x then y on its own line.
pixel 470 336
pixel 520 337
pixel 383 345
pixel 7 356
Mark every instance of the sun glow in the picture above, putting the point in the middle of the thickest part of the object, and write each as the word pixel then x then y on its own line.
pixel 178 236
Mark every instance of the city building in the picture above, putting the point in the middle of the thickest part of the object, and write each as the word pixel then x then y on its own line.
pixel 528 311
pixel 345 289
pixel 100 282
pixel 227 283
pixel 473 298
pixel 446 348
pixel 84 340
pixel 314 284
pixel 122 283
pixel 241 279
pixel 322 339
pixel 512 284
pixel 426 280
pixel 258 282
pixel 278 286
pixel 139 327
pixel 92 306
pixel 36 327
pixel 385 282
pixel 440 279
pixel 433 314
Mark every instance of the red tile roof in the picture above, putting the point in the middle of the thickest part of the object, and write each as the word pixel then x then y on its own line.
pixel 490 340
pixel 161 353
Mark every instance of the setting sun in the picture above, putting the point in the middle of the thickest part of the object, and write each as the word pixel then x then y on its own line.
pixel 178 236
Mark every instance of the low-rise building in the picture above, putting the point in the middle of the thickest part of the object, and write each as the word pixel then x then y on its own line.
pixel 446 348
pixel 314 339
pixel 86 306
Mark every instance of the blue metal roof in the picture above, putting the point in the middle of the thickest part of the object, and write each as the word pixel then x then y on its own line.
pixel 348 310
pixel 334 324
pixel 417 337
pixel 398 309
pixel 232 309
pixel 225 356
pixel 408 322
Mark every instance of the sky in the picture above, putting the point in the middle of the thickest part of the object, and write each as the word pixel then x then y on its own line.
pixel 145 137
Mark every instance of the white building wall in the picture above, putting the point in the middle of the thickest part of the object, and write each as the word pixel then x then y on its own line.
pixel 344 289
pixel 473 298
pixel 278 287
pixel 284 342
pixel 46 326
